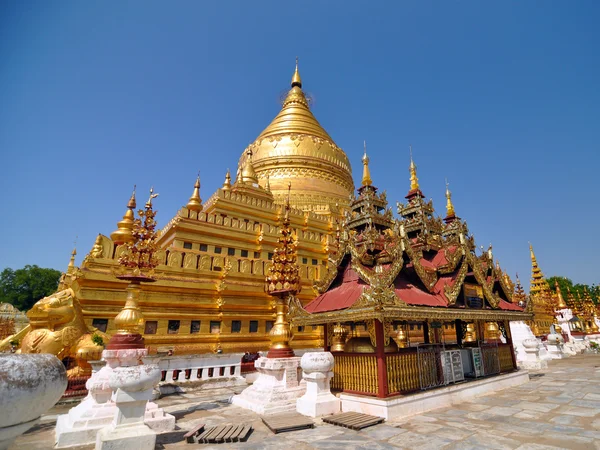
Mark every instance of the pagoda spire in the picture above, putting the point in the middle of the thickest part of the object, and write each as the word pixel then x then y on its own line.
pixel 296 80
pixel 519 296
pixel 450 214
pixel 414 181
pixel 71 265
pixel 227 183
pixel 366 179
pixel 248 173
pixel 123 233
pixel 538 282
pixel 195 202
pixel 560 302
pixel 283 282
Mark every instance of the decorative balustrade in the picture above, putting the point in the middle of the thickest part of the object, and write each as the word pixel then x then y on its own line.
pixel 402 372
pixel 355 373
pixel 188 368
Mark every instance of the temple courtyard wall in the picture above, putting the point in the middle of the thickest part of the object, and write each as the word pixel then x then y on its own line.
pixel 558 408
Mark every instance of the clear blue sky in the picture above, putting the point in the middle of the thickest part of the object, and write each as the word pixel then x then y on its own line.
pixel 501 97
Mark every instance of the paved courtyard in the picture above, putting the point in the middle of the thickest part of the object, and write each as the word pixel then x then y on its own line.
pixel 558 408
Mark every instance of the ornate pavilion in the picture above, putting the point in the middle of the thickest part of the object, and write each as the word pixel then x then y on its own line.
pixel 407 304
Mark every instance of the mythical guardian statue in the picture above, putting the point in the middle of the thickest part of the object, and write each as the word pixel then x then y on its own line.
pixel 57 327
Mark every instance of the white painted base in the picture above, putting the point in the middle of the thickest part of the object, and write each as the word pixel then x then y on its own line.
pixel 409 405
pixel 556 351
pixel 276 388
pixel 135 437
pixel 81 425
pixel 323 406
pixel 532 365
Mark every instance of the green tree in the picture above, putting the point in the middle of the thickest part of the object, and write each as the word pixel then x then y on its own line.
pixel 564 282
pixel 23 287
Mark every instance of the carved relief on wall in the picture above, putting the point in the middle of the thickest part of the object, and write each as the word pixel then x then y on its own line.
pixel 189 262
pixel 245 266
pixel 175 259
pixel 205 263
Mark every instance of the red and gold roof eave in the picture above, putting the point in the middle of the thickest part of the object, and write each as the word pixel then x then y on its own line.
pixel 406 312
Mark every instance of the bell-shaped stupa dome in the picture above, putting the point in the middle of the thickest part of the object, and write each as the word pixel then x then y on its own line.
pixel 295 149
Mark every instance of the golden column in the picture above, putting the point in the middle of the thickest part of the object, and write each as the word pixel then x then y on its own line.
pixel 137 266
pixel 283 282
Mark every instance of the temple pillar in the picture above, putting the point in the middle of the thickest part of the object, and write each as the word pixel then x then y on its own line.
pixel 426 339
pixel 382 382
pixel 458 327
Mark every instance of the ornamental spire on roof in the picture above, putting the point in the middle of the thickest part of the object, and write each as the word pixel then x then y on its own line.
pixel 195 202
pixel 366 179
pixel 227 183
pixel 414 181
pixel 248 173
pixel 123 234
pixel 449 206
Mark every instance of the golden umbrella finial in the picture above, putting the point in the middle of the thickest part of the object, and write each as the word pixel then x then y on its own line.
pixel 296 80
pixel 227 183
pixel 195 202
pixel 449 206
pixel 123 234
pixel 414 181
pixel 366 179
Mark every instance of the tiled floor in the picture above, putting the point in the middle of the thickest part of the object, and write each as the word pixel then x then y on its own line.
pixel 558 408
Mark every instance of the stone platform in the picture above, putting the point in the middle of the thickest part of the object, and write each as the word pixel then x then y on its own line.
pixel 558 408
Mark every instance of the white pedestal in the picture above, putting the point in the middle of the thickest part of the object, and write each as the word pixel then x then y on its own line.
pixel 318 399
pixel 132 386
pixel 276 388
pixel 81 424
pixel 526 347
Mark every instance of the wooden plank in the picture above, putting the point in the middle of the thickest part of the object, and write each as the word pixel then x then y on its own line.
pixel 288 422
pixel 206 438
pixel 193 433
pixel 354 421
pixel 233 432
pixel 243 434
pixel 219 437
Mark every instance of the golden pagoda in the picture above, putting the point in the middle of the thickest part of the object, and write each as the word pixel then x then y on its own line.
pixel 213 255
pixel 541 299
pixel 296 148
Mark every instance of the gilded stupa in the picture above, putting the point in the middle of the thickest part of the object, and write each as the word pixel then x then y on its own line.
pixel 296 148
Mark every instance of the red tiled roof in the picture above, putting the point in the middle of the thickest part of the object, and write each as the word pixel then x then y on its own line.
pixel 340 297
pixel 503 304
pixel 412 295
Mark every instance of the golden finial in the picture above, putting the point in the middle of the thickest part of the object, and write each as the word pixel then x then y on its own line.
pixel 366 179
pixel 449 206
pixel 72 260
pixel 414 181
pixel 227 184
pixel 248 173
pixel 560 304
pixel 195 202
pixel 153 196
pixel 267 185
pixel 296 80
pixel 123 234
pixel 286 218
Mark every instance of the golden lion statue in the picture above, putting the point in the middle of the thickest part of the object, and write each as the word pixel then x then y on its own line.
pixel 57 326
